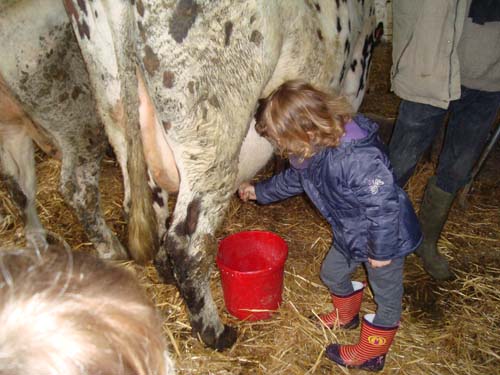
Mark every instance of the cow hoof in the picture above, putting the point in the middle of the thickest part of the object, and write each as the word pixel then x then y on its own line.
pixel 226 339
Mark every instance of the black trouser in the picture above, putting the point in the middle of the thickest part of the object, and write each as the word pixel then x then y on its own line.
pixel 417 125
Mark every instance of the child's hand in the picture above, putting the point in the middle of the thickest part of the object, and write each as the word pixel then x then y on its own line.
pixel 246 191
pixel 379 263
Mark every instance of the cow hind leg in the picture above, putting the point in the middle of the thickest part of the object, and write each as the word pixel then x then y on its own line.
pixel 189 249
pixel 18 172
pixel 79 186
pixel 160 206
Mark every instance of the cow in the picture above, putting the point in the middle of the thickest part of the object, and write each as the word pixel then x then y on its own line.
pixel 189 74
pixel 46 97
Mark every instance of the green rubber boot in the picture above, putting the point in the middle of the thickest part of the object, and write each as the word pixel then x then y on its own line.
pixel 433 214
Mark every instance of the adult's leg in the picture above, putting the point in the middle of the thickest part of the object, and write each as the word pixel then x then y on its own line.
pixel 415 129
pixel 470 123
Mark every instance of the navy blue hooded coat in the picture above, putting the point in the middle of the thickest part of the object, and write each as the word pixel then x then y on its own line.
pixel 353 187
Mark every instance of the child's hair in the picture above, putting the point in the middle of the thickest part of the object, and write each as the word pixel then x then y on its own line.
pixel 300 119
pixel 64 313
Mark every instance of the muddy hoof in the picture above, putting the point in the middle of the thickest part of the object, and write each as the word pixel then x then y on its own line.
pixel 226 339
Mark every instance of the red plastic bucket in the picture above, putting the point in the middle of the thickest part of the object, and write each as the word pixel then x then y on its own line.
pixel 251 265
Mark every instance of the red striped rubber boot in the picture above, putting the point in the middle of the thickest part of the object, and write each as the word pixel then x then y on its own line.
pixel 345 312
pixel 369 353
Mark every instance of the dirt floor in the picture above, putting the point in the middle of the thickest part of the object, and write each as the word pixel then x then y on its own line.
pixel 446 328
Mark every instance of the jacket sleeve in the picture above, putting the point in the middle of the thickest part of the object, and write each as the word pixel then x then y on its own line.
pixel 373 184
pixel 281 186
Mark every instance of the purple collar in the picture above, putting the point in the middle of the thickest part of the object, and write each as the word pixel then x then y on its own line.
pixel 352 132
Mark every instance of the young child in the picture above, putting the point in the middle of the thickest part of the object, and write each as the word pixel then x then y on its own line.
pixel 339 162
pixel 65 313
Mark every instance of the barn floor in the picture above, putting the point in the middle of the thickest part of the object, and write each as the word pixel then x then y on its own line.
pixel 446 328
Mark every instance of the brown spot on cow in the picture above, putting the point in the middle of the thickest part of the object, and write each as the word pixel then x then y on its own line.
pixel 63 97
pixel 256 37
pixel 57 73
pixel 75 93
pixel 167 125
pixel 228 30
pixel 168 79
pixel 83 6
pixel 193 213
pixel 83 28
pixel 188 226
pixel 140 8
pixel 182 20
pixel 320 35
pixel 157 198
pixel 150 60
pixel 191 87
pixel 214 101
pixel 252 19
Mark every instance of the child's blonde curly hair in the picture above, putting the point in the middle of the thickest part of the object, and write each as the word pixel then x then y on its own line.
pixel 69 313
pixel 299 119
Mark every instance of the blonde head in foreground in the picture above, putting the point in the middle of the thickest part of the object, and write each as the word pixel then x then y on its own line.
pixel 68 313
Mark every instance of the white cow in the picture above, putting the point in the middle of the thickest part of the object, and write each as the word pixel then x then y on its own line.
pixel 189 74
pixel 45 95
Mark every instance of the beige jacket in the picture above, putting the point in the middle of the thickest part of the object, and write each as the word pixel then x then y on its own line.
pixel 425 59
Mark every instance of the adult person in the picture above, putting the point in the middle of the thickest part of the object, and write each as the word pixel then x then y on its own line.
pixel 446 62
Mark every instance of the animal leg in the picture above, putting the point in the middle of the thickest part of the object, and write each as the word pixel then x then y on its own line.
pixel 99 28
pixel 18 171
pixel 79 186
pixel 190 249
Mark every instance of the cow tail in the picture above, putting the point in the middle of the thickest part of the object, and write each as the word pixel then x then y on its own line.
pixel 142 236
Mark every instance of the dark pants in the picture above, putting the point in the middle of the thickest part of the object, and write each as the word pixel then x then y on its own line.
pixel 386 283
pixel 469 125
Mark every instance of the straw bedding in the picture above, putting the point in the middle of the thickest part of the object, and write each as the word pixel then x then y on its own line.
pixel 446 328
